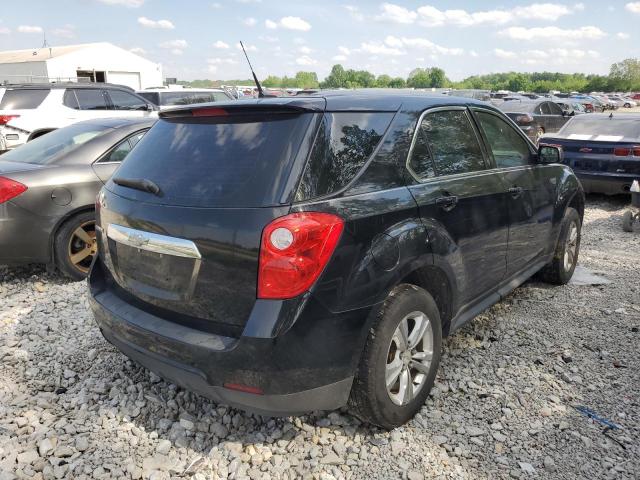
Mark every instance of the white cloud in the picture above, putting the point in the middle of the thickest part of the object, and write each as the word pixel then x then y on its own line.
pixel 250 22
pixel 216 5
pixel 222 61
pixel 68 31
pixel 339 58
pixel 344 50
pixel 422 44
pixel 176 47
pixel 305 60
pixel 579 7
pixel 29 29
pixel 247 47
pixel 138 50
pixel 500 53
pixel 379 49
pixel 633 7
pixel 221 45
pixel 304 50
pixel 212 69
pixel 553 33
pixel 622 35
pixel 249 1
pixel 396 14
pixel 148 23
pixel 473 53
pixel 289 23
pixel 124 3
pixel 4 31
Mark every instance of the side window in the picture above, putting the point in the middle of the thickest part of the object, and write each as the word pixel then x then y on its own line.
pixel 538 110
pixel 421 163
pixel 126 101
pixel 509 149
pixel 545 108
pixel 70 100
pixel 344 143
pixel 120 151
pixel 89 99
pixel 453 142
pixel 555 109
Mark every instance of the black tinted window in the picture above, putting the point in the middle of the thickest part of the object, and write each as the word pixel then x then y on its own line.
pixel 555 109
pixel 421 163
pixel 189 97
pixel 118 153
pixel 126 101
pixel 23 99
pixel 231 161
pixel 453 142
pixel 508 147
pixel 90 99
pixel 153 97
pixel 344 143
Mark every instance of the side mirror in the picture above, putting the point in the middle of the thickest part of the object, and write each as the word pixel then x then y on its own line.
pixel 150 108
pixel 564 113
pixel 550 154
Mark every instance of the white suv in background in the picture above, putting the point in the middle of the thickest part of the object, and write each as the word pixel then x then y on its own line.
pixel 31 110
pixel 173 96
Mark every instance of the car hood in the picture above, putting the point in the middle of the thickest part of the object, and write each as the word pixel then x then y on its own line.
pixel 13 167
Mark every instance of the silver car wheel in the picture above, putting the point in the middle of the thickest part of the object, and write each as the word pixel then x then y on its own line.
pixel 409 358
pixel 571 247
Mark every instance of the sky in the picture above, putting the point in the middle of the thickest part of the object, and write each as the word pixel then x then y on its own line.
pixel 195 39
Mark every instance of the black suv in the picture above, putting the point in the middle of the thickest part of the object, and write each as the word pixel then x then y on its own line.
pixel 295 254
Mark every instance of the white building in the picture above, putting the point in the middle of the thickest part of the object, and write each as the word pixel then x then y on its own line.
pixel 90 62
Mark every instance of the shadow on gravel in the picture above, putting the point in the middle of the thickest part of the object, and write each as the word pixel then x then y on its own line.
pixel 31 271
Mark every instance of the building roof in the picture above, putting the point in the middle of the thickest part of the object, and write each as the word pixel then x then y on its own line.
pixel 43 54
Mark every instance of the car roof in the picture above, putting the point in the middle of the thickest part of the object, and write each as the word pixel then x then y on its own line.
pixel 117 122
pixel 56 85
pixel 363 100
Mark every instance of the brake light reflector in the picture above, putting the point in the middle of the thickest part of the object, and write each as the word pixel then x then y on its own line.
pixel 636 151
pixel 293 252
pixel 4 119
pixel 210 112
pixel 621 152
pixel 10 189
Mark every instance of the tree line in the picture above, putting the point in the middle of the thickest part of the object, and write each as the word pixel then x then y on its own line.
pixel 623 76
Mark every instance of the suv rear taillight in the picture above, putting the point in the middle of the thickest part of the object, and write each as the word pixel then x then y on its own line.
pixel 293 252
pixel 10 189
pixel 4 119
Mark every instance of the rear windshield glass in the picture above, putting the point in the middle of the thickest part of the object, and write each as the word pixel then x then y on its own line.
pixel 602 128
pixel 54 145
pixel 23 99
pixel 235 161
pixel 344 143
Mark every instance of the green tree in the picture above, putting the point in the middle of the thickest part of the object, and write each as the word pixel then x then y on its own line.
pixel 419 79
pixel 625 75
pixel 437 78
pixel 272 81
pixel 336 79
pixel 383 81
pixel 307 80
pixel 397 82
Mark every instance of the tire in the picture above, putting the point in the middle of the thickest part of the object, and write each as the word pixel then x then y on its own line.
pixel 70 241
pixel 560 270
pixel 627 221
pixel 370 398
pixel 627 105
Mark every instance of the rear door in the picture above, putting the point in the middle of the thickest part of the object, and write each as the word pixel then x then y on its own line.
pixel 127 104
pixel 190 251
pixel 530 188
pixel 461 201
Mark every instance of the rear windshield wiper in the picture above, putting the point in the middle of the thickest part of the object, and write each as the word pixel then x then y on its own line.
pixel 138 184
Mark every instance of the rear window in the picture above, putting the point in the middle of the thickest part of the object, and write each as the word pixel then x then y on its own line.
pixel 23 99
pixel 153 97
pixel 54 145
pixel 602 128
pixel 344 143
pixel 234 161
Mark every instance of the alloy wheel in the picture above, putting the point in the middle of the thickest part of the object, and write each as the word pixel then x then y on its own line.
pixel 571 247
pixel 409 358
pixel 83 246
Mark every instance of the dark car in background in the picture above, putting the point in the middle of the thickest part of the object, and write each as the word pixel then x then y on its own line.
pixel 535 118
pixel 295 254
pixel 48 188
pixel 603 150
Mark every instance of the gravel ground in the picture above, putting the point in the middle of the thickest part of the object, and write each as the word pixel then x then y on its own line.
pixel 71 406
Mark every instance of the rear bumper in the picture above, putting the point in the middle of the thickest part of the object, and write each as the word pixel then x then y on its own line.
pixel 607 184
pixel 309 367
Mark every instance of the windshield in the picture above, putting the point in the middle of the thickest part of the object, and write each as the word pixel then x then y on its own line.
pixel 602 128
pixel 239 160
pixel 54 145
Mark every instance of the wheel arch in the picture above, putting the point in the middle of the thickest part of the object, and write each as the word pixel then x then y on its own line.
pixel 38 133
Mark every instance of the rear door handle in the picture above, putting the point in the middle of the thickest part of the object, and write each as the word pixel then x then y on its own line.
pixel 447 203
pixel 515 191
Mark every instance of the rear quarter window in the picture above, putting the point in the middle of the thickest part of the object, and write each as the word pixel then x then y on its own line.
pixel 344 143
pixel 23 99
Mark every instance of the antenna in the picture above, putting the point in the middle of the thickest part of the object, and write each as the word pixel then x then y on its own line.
pixel 255 79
